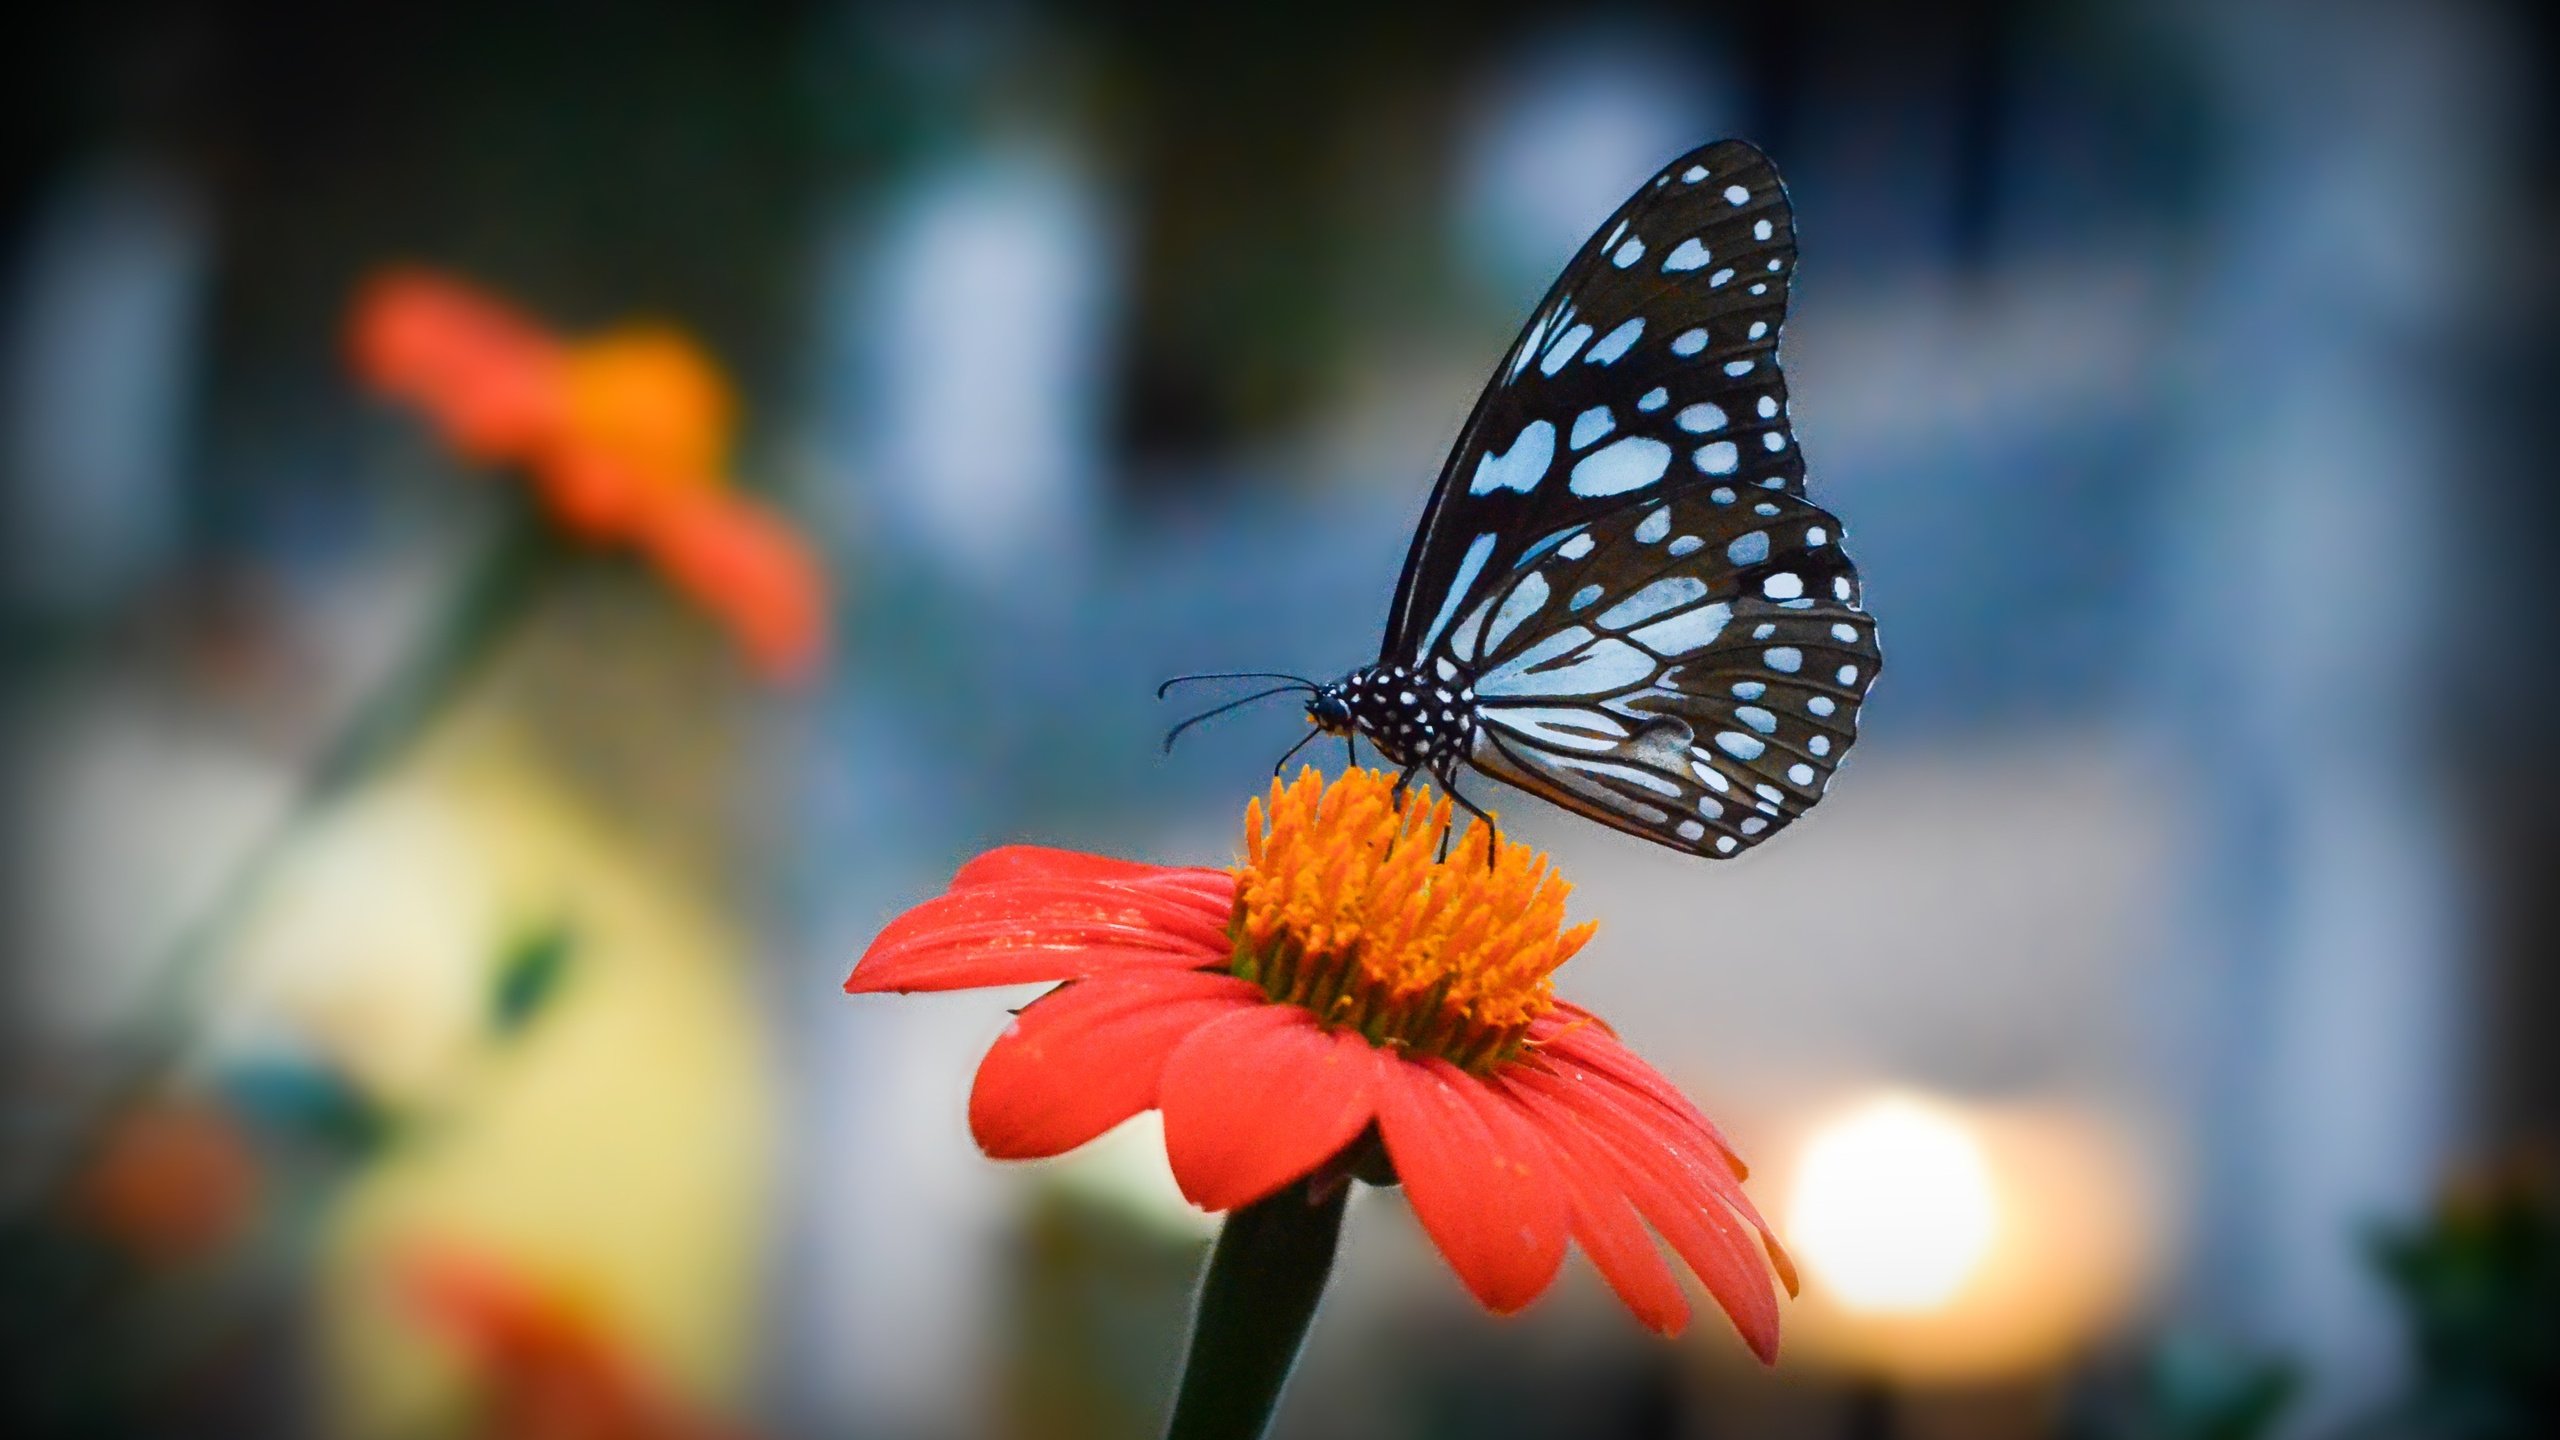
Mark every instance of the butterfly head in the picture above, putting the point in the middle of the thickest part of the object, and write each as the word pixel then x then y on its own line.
pixel 1329 709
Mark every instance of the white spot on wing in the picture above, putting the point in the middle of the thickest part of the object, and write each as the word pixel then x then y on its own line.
pixel 1628 464
pixel 1654 526
pixel 1689 255
pixel 1736 195
pixel 1785 659
pixel 1590 425
pixel 1628 254
pixel 1654 399
pixel 1577 547
pixel 1519 605
pixel 1563 351
pixel 1689 342
pixel 1739 745
pixel 1598 666
pixel 1469 567
pixel 1529 344
pixel 1617 342
pixel 1668 593
pixel 1701 418
pixel 1519 468
pixel 1718 458
pixel 1689 630
pixel 1592 730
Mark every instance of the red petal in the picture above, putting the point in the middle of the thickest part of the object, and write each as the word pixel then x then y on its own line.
pixel 1022 933
pixel 1683 1197
pixel 1593 1046
pixel 1257 1099
pixel 1085 1057
pixel 1041 862
pixel 1653 1120
pixel 1480 1180
pixel 751 570
pixel 480 368
pixel 1065 912
pixel 1610 1230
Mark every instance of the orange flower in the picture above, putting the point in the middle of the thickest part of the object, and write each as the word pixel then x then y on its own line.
pixel 549 1369
pixel 1343 984
pixel 483 373
pixel 173 1182
pixel 625 435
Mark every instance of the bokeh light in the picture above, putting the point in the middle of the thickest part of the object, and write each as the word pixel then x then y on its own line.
pixel 1893 1206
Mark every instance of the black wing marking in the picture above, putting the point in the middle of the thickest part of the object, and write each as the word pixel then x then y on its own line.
pixel 1689 669
pixel 1651 367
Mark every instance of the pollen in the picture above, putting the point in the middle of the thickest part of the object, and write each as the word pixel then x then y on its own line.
pixel 1344 907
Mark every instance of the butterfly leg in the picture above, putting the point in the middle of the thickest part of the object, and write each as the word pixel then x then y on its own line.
pixel 1449 783
pixel 1404 780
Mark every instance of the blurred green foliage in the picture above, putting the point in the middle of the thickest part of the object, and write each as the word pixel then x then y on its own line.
pixel 529 976
pixel 2478 1286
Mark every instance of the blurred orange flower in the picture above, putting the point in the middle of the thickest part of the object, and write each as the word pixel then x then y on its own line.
pixel 626 436
pixel 174 1181
pixel 549 1368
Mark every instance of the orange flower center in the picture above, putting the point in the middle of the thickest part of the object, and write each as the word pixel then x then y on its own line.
pixel 1343 906
pixel 647 396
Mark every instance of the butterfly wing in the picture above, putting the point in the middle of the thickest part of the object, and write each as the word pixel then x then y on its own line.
pixel 1664 632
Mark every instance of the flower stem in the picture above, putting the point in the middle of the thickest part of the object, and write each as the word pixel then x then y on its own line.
pixel 1265 1277
pixel 480 609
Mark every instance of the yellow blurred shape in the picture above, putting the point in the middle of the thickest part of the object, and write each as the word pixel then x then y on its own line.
pixel 622 1140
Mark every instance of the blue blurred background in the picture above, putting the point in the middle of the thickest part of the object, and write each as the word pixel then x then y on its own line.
pixel 2182 372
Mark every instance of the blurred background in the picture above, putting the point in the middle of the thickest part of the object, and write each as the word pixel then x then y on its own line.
pixel 2148 1037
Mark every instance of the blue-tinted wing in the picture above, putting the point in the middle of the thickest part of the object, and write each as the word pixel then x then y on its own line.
pixel 1651 365
pixel 1663 632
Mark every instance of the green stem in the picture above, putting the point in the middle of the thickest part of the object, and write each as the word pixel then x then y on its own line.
pixel 480 610
pixel 1265 1277
pixel 385 723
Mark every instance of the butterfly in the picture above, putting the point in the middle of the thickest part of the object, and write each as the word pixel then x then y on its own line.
pixel 1620 598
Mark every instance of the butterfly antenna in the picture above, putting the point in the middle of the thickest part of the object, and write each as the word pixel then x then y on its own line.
pixel 1176 732
pixel 1234 675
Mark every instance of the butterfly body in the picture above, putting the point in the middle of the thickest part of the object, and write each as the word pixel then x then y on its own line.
pixel 1418 718
pixel 1620 597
